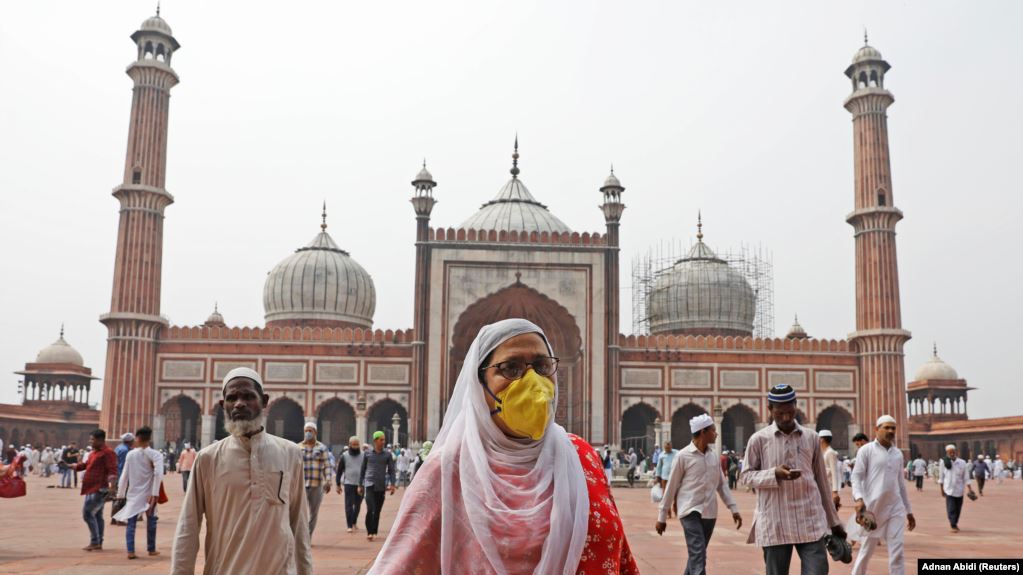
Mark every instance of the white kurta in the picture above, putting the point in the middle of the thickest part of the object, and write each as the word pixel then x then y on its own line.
pixel 877 480
pixel 833 464
pixel 140 479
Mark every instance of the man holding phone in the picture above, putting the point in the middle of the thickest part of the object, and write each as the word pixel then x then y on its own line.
pixel 785 465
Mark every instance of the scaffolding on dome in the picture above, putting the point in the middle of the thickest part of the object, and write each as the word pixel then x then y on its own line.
pixel 755 263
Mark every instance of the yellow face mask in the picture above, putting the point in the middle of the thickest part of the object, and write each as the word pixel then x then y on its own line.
pixel 524 405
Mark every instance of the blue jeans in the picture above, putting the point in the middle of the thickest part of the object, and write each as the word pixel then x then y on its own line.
pixel 92 513
pixel 65 477
pixel 129 532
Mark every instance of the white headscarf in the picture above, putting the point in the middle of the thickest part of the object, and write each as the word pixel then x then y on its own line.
pixel 472 511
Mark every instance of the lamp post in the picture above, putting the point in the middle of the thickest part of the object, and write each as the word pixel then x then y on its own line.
pixel 717 423
pixel 395 424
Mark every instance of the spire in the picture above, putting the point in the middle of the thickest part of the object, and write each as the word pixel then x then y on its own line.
pixel 699 226
pixel 157 7
pixel 215 310
pixel 935 349
pixel 61 330
pixel 515 158
pixel 323 224
pixel 864 35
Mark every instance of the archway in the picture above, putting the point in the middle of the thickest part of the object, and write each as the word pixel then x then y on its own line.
pixel 737 425
pixel 380 417
pixel 218 426
pixel 285 419
pixel 680 433
pixel 520 300
pixel 335 423
pixel 836 420
pixel 638 428
pixel 181 420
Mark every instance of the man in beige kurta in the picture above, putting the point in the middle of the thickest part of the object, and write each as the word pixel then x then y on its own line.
pixel 250 490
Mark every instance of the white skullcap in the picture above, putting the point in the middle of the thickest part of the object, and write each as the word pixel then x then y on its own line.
pixel 950 447
pixel 884 419
pixel 699 422
pixel 824 433
pixel 127 437
pixel 309 424
pixel 242 372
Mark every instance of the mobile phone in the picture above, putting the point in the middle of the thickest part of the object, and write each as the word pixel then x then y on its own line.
pixel 795 473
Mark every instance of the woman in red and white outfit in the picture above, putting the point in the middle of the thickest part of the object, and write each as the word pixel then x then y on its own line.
pixel 505 489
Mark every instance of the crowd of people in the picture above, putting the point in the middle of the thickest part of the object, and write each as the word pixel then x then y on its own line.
pixel 503 487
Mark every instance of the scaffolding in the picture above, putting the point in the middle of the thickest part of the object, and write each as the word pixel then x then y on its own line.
pixel 755 263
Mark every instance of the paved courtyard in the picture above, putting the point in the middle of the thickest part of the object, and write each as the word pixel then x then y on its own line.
pixel 44 532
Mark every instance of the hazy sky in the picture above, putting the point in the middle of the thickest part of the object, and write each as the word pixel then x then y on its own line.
pixel 735 111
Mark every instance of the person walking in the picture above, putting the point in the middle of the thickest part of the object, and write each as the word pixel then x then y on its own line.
pixel 694 479
pixel 919 472
pixel 954 478
pixel 878 488
pixel 795 510
pixel 317 471
pixel 981 471
pixel 248 487
pixel 633 465
pixel 70 458
pixel 833 466
pixel 349 470
pixel 99 479
pixel 121 451
pixel 185 462
pixel 139 487
pixel 663 468
pixel 376 479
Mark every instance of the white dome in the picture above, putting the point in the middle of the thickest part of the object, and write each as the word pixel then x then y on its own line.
pixel 156 24
pixel 935 368
pixel 796 331
pixel 320 285
pixel 514 208
pixel 866 53
pixel 60 352
pixel 702 294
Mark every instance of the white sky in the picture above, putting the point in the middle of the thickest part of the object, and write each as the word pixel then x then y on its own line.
pixel 734 110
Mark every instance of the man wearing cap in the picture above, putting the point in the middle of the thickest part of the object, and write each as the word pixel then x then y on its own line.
pixel 127 441
pixel 317 471
pixel 349 469
pixel 185 462
pixel 919 471
pixel 832 464
pixel 795 510
pixel 878 487
pixel 376 478
pixel 694 478
pixel 954 478
pixel 248 486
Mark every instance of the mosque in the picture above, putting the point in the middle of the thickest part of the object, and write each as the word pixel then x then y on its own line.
pixel 324 360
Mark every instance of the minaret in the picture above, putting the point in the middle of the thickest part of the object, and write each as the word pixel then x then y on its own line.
pixel 879 337
pixel 134 322
pixel 422 202
pixel 612 208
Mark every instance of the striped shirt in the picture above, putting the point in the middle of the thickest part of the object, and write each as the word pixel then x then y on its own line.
pixel 789 511
pixel 316 465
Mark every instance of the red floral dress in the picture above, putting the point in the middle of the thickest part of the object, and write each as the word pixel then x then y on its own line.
pixel 607 550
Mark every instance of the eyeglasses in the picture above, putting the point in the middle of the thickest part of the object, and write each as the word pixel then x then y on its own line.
pixel 515 368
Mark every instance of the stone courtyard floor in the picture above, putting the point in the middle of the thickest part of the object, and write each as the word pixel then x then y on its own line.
pixel 44 532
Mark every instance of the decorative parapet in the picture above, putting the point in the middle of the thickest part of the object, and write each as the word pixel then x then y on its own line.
pixel 288 333
pixel 516 237
pixel 732 343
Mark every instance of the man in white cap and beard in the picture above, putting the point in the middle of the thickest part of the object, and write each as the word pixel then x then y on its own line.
pixel 879 488
pixel 834 467
pixel 694 478
pixel 317 471
pixel 954 478
pixel 249 487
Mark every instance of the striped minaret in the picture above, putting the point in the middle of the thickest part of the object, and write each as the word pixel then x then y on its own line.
pixel 879 337
pixel 134 321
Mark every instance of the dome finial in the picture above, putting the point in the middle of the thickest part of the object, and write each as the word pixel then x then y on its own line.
pixel 935 349
pixel 323 224
pixel 157 7
pixel 864 35
pixel 61 330
pixel 215 308
pixel 699 226
pixel 515 158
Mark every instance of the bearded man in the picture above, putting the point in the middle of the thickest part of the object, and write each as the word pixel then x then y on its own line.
pixel 250 489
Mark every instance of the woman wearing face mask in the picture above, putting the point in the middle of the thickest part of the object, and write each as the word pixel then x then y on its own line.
pixel 505 489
